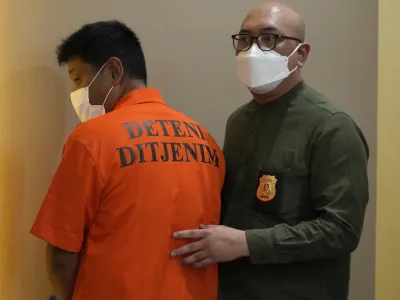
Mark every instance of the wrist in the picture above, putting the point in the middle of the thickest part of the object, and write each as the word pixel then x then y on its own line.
pixel 242 246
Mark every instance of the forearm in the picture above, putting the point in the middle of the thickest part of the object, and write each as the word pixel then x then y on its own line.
pixel 65 281
pixel 317 239
pixel 63 267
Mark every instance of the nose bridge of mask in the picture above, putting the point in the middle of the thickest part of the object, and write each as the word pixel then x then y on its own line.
pixel 261 66
pixel 254 50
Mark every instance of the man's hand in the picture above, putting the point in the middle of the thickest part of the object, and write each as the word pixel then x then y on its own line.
pixel 216 244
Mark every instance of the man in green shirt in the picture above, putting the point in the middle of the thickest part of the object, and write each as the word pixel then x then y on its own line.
pixel 296 187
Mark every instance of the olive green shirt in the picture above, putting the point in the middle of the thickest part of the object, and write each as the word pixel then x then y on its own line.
pixel 297 183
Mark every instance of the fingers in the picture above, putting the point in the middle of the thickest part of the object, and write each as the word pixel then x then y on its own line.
pixel 201 264
pixel 189 248
pixel 195 257
pixel 203 226
pixel 190 234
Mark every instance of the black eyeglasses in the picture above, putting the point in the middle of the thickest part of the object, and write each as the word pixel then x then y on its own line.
pixel 265 41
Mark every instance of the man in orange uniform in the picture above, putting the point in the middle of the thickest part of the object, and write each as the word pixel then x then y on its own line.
pixel 132 173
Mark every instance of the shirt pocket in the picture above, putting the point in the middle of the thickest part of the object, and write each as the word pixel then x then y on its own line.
pixel 283 196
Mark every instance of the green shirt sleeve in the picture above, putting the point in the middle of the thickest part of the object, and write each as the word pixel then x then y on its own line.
pixel 339 193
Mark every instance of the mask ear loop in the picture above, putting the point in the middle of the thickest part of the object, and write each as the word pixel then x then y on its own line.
pixel 294 51
pixel 97 75
pixel 93 81
pixel 109 92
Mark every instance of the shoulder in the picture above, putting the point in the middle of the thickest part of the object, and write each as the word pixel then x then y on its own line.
pixel 91 136
pixel 184 118
pixel 339 134
pixel 98 129
pixel 320 108
pixel 341 121
pixel 318 103
pixel 329 116
pixel 86 132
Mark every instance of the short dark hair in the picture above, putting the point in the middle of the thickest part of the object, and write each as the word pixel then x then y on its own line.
pixel 96 42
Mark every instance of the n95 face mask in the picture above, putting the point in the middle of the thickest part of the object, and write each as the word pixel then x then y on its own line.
pixel 262 71
pixel 83 108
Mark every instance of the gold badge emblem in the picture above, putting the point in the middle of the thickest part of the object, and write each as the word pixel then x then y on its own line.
pixel 267 188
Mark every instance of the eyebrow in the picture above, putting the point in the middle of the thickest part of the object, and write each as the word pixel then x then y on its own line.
pixel 72 70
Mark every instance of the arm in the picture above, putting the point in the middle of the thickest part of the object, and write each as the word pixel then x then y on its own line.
pixel 63 266
pixel 67 212
pixel 339 193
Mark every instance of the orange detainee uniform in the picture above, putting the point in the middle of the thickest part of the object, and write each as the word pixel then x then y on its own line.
pixel 126 182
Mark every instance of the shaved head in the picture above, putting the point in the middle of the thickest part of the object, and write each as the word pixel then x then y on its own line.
pixel 277 17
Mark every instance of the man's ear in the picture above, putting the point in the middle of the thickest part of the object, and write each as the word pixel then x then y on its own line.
pixel 303 53
pixel 116 69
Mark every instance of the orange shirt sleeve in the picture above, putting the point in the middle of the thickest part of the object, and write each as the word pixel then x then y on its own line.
pixel 72 199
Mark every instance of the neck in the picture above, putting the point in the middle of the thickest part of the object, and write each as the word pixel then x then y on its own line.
pixel 281 90
pixel 131 85
pixel 128 86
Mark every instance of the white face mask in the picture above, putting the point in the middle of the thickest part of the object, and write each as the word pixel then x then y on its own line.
pixel 83 108
pixel 262 71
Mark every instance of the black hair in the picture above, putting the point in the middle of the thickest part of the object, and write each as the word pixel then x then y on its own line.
pixel 96 42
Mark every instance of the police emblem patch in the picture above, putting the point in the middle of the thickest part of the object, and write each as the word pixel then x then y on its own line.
pixel 266 190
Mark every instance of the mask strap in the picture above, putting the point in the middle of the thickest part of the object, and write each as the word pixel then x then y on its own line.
pixel 97 75
pixel 295 50
pixel 290 72
pixel 109 92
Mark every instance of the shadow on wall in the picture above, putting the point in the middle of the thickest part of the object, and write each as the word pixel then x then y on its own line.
pixel 32 121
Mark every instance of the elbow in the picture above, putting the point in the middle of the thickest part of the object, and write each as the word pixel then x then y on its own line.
pixel 59 261
pixel 343 236
pixel 351 240
pixel 56 262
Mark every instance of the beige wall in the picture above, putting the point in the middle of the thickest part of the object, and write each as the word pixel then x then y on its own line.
pixel 190 58
pixel 32 113
pixel 388 226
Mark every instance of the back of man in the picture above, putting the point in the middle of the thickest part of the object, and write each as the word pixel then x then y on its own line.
pixel 158 172
pixel 132 173
pixel 163 173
